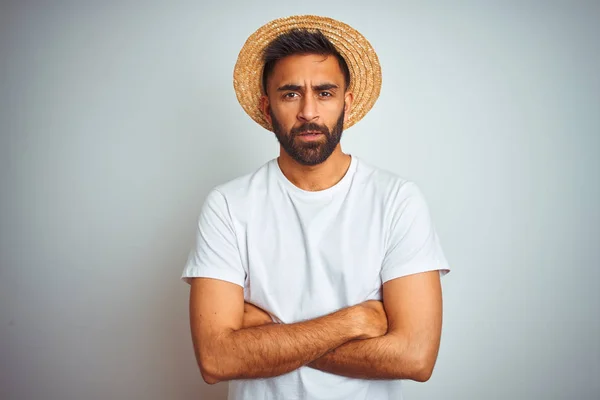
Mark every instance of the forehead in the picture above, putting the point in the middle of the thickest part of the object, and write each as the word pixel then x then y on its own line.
pixel 312 67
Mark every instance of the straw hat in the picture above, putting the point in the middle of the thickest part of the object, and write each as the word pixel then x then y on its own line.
pixel 365 71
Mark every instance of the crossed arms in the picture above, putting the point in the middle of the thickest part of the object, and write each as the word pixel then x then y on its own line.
pixel 396 339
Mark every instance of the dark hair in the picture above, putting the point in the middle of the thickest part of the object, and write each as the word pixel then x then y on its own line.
pixel 300 41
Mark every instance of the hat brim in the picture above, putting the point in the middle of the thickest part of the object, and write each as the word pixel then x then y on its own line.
pixel 365 71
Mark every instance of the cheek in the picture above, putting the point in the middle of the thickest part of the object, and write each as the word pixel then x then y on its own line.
pixel 285 114
pixel 333 111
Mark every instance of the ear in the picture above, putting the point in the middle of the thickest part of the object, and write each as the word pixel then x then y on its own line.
pixel 265 108
pixel 348 99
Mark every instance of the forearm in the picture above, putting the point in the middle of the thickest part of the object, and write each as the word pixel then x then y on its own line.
pixel 385 357
pixel 275 349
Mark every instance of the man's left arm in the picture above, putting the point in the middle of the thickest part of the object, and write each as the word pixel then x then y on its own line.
pixel 409 349
pixel 412 298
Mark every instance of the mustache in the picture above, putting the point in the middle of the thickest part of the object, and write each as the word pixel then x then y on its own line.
pixel 311 126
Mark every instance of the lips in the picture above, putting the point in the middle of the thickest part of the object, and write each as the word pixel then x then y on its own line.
pixel 310 136
pixel 310 133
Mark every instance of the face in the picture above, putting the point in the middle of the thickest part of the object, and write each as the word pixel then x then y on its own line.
pixel 306 105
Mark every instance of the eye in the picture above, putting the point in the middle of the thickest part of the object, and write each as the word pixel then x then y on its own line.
pixel 290 95
pixel 325 94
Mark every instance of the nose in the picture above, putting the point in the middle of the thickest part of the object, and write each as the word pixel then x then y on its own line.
pixel 308 109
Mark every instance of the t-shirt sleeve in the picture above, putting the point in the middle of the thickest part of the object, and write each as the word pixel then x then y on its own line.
pixel 413 245
pixel 215 254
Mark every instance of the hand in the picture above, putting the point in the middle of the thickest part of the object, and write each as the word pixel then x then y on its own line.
pixel 254 316
pixel 375 323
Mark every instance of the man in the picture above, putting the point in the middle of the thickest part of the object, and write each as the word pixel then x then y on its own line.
pixel 318 275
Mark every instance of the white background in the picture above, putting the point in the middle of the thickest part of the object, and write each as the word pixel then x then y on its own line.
pixel 118 117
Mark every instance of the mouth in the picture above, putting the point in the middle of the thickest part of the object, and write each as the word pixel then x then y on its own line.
pixel 310 133
pixel 310 136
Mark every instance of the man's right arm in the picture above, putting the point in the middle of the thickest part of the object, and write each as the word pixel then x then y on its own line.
pixel 225 350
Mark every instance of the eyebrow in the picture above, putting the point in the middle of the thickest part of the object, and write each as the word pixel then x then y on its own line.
pixel 298 88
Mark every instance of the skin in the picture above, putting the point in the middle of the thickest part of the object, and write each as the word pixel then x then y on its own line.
pixel 408 350
pixel 309 103
pixel 226 350
pixel 398 338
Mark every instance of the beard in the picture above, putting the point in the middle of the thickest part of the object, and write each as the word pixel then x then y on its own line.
pixel 309 153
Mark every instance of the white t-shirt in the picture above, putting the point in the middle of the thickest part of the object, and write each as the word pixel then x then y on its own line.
pixel 300 255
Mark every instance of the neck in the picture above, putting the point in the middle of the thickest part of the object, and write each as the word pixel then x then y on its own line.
pixel 316 177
